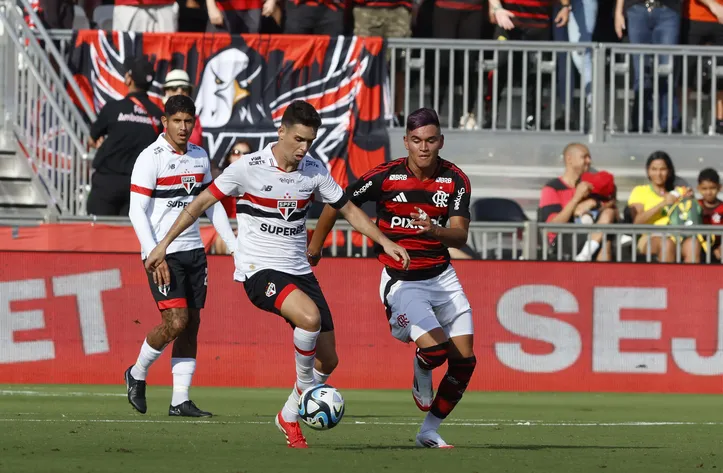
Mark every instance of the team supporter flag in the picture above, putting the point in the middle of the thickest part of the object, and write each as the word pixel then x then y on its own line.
pixel 244 84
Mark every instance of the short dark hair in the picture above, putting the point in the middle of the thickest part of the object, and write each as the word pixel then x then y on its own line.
pixel 300 112
pixel 709 174
pixel 180 104
pixel 422 117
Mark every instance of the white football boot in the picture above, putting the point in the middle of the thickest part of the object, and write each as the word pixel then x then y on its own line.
pixel 422 389
pixel 431 439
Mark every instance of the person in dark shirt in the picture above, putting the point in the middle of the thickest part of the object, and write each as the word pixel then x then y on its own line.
pixel 123 129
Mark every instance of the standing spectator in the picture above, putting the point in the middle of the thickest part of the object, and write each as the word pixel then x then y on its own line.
pixel 152 16
pixel 651 22
pixel 648 203
pixel 237 16
pixel 531 21
pixel 702 26
pixel 324 17
pixel 123 129
pixel 693 247
pixel 569 198
pixel 178 83
pixel 388 19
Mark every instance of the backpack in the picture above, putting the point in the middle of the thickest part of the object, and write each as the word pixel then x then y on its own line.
pixel 685 213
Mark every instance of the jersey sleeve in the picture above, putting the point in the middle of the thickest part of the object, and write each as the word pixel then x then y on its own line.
pixel 233 181
pixel 100 126
pixel 461 197
pixel 144 175
pixel 550 204
pixel 143 182
pixel 368 187
pixel 636 196
pixel 330 192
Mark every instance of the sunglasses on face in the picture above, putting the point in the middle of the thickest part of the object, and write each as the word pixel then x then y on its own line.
pixel 238 152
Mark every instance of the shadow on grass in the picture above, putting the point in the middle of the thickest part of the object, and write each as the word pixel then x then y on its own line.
pixel 493 447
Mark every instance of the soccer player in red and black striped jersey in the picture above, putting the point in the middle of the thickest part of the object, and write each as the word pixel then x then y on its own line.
pixel 422 205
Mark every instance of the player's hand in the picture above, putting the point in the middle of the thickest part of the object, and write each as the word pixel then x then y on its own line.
pixel 157 256
pixel 421 219
pixel 313 256
pixel 397 252
pixel 162 275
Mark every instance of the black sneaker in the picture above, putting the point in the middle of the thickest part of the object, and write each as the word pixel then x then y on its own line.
pixel 136 392
pixel 187 409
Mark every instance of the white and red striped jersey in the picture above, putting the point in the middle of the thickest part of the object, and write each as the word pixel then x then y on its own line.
pixel 272 210
pixel 171 181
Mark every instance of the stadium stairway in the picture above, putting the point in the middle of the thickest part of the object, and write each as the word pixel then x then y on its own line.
pixel 517 165
pixel 19 192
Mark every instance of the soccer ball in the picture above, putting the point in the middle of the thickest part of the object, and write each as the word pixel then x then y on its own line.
pixel 321 407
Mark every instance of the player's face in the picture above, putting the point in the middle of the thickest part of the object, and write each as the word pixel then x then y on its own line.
pixel 295 141
pixel 423 145
pixel 179 127
pixel 658 172
pixel 709 191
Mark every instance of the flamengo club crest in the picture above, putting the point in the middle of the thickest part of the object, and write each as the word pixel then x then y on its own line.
pixel 188 182
pixel 286 207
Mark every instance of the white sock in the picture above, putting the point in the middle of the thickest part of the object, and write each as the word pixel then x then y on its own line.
pixel 146 358
pixel 588 250
pixel 182 369
pixel 431 422
pixel 290 412
pixel 319 377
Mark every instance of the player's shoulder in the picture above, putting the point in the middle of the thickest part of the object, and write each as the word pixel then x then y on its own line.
pixel 195 151
pixel 311 166
pixel 451 170
pixel 395 166
pixel 255 159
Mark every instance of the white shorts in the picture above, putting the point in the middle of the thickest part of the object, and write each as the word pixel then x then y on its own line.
pixel 417 307
pixel 148 19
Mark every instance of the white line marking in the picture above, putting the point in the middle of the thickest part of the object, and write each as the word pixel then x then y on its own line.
pixel 457 424
pixel 11 392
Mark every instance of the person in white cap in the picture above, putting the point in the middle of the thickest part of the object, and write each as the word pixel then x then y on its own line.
pixel 179 83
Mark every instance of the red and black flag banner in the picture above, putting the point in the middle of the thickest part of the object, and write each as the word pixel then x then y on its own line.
pixel 244 84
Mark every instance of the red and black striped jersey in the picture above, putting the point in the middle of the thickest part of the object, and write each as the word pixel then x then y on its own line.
pixel 530 13
pixel 383 3
pixel 466 5
pixel 334 5
pixel 398 192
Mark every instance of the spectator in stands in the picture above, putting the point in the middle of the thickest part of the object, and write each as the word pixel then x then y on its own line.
pixel 651 22
pixel 324 17
pixel 702 26
pixel 388 19
pixel 693 247
pixel 237 16
pixel 178 83
pixel 568 198
pixel 531 21
pixel 123 129
pixel 152 16
pixel 647 205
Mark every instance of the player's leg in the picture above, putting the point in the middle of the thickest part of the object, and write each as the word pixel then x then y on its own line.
pixel 326 357
pixel 185 347
pixel 171 301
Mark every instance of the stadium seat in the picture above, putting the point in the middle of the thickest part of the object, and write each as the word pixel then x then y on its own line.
pixel 497 210
pixel 103 17
pixel 80 22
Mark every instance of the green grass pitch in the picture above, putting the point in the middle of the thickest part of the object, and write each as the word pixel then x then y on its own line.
pixel 93 429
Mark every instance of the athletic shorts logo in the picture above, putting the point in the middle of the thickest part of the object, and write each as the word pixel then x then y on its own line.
pixel 189 182
pixel 270 289
pixel 402 320
pixel 163 289
pixel 286 208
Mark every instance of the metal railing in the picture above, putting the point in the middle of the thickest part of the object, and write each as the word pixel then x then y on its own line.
pixel 510 241
pixel 50 129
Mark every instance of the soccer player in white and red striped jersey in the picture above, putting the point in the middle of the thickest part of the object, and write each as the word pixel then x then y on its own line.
pixel 417 196
pixel 166 177
pixel 276 186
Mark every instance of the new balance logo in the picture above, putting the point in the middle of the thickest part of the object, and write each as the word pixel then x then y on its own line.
pixel 400 198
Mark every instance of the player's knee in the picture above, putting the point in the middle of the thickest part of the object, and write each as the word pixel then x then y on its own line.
pixel 308 320
pixel 462 369
pixel 178 323
pixel 432 357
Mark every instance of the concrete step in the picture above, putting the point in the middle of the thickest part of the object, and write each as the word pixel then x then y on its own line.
pixel 20 193
pixel 12 165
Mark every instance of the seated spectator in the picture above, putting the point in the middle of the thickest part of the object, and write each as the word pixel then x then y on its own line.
pixel 569 198
pixel 146 16
pixel 178 83
pixel 694 248
pixel 648 205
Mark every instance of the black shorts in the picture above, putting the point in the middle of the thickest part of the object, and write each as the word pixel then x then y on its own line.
pixel 189 273
pixel 698 33
pixel 268 289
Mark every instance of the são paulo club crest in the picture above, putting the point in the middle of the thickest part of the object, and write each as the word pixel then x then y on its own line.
pixel 286 208
pixel 189 182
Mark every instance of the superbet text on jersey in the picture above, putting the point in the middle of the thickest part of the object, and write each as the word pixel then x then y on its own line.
pixel 398 193
pixel 172 181
pixel 272 210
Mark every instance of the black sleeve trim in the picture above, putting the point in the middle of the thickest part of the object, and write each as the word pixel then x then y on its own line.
pixel 341 202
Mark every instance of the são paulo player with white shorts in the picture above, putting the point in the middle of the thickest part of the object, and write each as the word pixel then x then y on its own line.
pixel 166 177
pixel 416 196
pixel 276 186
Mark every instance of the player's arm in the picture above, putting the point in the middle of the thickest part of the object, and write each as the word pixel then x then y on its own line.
pixel 217 214
pixel 459 216
pixel 228 183
pixel 363 190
